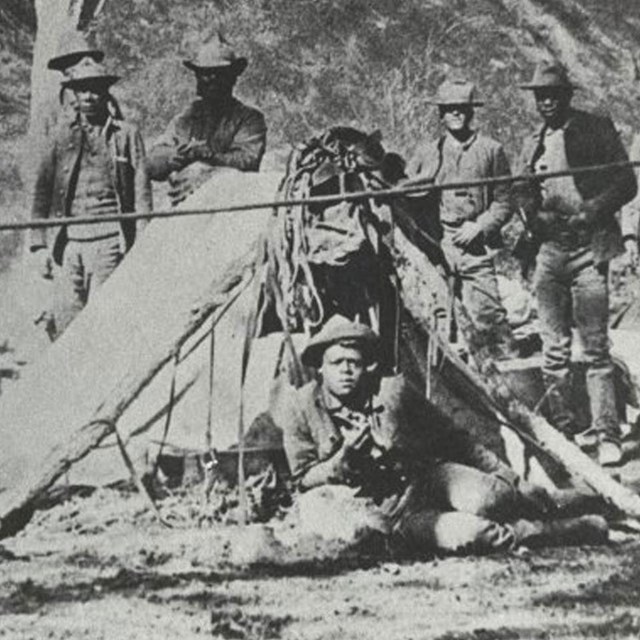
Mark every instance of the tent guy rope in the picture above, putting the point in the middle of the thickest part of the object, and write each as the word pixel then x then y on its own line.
pixel 412 187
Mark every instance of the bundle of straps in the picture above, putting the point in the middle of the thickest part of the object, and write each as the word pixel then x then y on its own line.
pixel 303 237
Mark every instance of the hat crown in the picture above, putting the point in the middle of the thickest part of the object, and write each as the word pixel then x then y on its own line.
pixel 549 73
pixel 88 69
pixel 216 53
pixel 337 329
pixel 457 91
pixel 73 45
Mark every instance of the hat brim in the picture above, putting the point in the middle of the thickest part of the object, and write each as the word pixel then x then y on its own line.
pixel 60 63
pixel 475 103
pixel 530 86
pixel 237 66
pixel 107 80
pixel 312 354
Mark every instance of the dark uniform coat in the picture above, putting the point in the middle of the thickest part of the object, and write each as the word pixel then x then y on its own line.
pixel 57 174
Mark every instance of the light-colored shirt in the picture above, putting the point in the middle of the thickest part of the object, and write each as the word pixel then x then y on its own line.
pixel 95 192
pixel 448 160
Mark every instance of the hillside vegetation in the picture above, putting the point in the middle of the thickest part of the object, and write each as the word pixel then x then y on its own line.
pixel 369 63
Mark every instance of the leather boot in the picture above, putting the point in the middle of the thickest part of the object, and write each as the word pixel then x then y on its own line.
pixel 559 402
pixel 585 530
pixel 573 502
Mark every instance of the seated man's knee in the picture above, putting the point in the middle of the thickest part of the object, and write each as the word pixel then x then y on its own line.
pixel 472 491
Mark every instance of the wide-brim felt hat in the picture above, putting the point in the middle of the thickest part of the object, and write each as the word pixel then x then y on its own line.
pixel 340 329
pixel 548 75
pixel 217 54
pixel 87 71
pixel 457 92
pixel 73 46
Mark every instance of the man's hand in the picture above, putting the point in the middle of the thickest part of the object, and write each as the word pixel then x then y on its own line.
pixel 467 233
pixel 185 182
pixel 42 264
pixel 343 458
pixel 536 499
pixel 196 150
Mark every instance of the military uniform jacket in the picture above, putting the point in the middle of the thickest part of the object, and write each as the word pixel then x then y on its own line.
pixel 57 173
pixel 236 136
pixel 403 423
pixel 485 158
pixel 589 140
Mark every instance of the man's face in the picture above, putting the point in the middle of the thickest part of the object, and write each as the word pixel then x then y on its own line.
pixel 91 98
pixel 215 84
pixel 553 104
pixel 342 370
pixel 456 117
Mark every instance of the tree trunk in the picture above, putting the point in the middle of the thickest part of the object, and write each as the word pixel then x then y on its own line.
pixel 54 17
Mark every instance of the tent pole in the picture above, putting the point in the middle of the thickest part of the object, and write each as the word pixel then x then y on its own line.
pixel 242 489
pixel 170 405
pixel 210 460
pixel 212 349
pixel 250 334
pixel 142 489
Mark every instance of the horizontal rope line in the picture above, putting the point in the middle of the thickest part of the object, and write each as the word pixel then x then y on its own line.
pixel 328 199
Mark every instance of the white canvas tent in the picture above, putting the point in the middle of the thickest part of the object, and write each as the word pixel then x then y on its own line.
pixel 179 273
pixel 113 367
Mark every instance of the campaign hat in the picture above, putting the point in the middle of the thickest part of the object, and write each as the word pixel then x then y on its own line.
pixel 217 54
pixel 340 329
pixel 73 46
pixel 457 92
pixel 549 74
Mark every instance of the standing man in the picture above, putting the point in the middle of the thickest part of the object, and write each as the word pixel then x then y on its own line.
pixel 216 130
pixel 573 220
pixel 436 490
pixel 93 166
pixel 471 217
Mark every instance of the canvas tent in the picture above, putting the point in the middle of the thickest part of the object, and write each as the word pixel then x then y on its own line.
pixel 113 368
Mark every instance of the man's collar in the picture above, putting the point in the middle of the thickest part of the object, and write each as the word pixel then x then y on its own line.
pixel 110 124
pixel 333 404
pixel 546 130
pixel 463 145
pixel 222 106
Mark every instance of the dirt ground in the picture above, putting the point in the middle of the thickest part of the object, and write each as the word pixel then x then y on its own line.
pixel 101 567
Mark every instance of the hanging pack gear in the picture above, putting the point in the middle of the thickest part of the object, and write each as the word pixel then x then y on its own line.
pixel 322 258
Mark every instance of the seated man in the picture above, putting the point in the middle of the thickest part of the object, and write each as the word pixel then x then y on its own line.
pixel 437 490
pixel 216 130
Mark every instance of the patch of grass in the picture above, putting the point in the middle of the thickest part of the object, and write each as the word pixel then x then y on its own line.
pixel 618 590
pixel 235 624
pixel 29 597
pixel 501 633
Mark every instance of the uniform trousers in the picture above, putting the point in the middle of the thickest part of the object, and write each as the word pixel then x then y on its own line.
pixel 86 264
pixel 572 290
